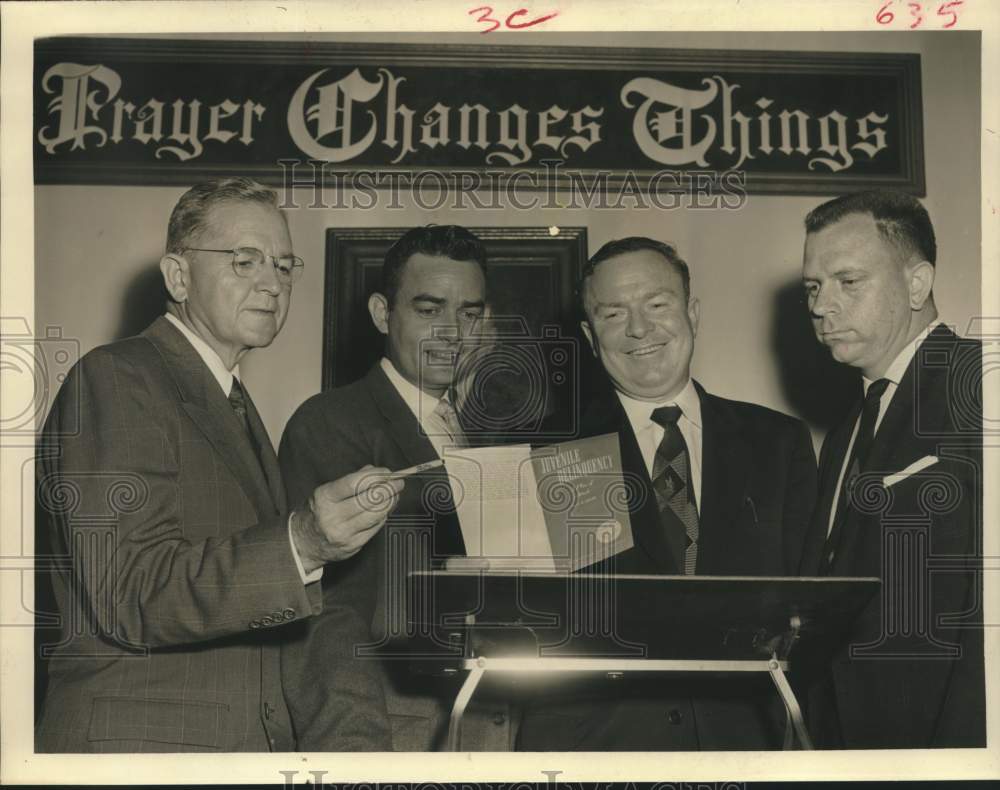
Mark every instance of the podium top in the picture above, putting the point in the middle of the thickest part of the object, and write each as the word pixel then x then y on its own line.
pixel 666 616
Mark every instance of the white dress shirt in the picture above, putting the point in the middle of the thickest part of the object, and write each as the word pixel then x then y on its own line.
pixel 649 433
pixel 225 378
pixel 422 405
pixel 893 374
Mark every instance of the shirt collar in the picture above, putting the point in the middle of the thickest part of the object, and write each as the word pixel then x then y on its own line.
pixel 214 362
pixel 639 411
pixel 420 403
pixel 897 368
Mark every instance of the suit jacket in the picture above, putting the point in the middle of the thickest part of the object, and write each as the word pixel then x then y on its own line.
pixel 905 687
pixel 757 493
pixel 330 435
pixel 175 576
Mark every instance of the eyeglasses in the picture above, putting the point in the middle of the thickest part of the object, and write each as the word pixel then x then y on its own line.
pixel 249 262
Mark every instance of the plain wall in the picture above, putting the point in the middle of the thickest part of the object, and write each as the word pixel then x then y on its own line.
pixel 96 247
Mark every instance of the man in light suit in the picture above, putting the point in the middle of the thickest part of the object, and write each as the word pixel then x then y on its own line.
pixel 900 484
pixel 724 488
pixel 181 564
pixel 402 413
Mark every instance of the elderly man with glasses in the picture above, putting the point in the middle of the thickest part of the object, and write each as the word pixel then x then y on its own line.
pixel 182 570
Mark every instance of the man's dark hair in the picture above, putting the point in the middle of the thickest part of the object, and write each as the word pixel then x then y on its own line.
pixel 190 216
pixel 447 241
pixel 634 244
pixel 900 219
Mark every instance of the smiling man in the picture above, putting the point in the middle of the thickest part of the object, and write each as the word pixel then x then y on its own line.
pixel 725 488
pixel 402 413
pixel 911 675
pixel 184 569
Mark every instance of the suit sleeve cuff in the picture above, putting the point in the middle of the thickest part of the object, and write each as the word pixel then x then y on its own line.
pixel 307 578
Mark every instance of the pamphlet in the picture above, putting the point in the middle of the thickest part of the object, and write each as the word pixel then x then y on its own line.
pixel 555 508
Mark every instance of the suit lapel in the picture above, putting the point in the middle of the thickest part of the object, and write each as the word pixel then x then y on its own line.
pixel 725 465
pixel 402 429
pixel 208 408
pixel 401 426
pixel 898 429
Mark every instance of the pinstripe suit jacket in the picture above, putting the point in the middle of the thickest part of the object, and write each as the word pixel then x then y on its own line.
pixel 173 575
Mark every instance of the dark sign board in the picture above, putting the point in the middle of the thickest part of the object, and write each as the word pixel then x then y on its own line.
pixel 127 111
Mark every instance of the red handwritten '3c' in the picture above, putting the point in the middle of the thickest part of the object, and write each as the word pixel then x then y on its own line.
pixel 510 23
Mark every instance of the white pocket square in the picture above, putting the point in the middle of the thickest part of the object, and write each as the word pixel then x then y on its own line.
pixel 912 469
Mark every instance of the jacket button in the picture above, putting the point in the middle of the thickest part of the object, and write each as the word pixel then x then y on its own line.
pixel 288 614
pixel 266 620
pixel 674 716
pixel 499 718
pixel 255 624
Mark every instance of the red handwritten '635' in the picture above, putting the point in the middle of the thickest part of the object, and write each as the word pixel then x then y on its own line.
pixel 885 16
pixel 509 23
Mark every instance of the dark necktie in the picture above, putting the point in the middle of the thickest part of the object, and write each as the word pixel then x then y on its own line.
pixel 856 464
pixel 238 400
pixel 672 481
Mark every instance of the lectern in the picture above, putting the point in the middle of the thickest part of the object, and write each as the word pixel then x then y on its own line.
pixel 483 621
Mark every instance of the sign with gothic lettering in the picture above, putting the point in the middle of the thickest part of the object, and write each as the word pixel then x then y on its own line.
pixel 366 117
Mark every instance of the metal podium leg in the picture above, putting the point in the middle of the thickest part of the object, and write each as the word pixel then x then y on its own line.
pixel 791 705
pixel 461 701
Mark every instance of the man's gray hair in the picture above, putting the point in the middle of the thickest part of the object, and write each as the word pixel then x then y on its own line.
pixel 190 216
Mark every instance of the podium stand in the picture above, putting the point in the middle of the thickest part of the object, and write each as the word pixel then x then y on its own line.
pixel 516 622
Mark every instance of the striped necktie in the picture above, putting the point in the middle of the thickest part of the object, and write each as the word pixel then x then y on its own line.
pixel 672 481
pixel 445 412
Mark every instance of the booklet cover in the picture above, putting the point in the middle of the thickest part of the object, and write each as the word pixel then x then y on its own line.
pixel 555 508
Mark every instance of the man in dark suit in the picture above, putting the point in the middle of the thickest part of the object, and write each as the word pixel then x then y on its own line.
pixel 181 565
pixel 900 484
pixel 724 488
pixel 402 413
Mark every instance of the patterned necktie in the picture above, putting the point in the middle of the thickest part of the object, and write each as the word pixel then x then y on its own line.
pixel 856 464
pixel 672 480
pixel 445 412
pixel 238 400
